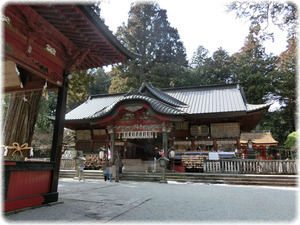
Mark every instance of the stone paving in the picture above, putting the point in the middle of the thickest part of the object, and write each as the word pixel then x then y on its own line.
pixel 151 202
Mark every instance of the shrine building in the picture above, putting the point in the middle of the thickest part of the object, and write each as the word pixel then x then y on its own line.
pixel 42 45
pixel 143 122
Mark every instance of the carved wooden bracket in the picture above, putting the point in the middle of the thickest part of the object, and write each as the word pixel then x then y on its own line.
pixel 110 129
pixel 167 127
pixel 76 59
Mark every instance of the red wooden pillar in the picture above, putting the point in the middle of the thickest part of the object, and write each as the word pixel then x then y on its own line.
pixel 215 145
pixel 238 143
pixel 92 145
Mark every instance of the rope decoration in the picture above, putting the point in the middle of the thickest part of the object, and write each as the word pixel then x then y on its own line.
pixel 16 147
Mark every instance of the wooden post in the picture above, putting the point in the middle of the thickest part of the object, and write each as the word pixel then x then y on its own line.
pixel 215 145
pixel 112 146
pixel 59 130
pixel 165 143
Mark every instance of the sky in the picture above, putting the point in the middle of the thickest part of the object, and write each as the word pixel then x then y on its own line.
pixel 198 22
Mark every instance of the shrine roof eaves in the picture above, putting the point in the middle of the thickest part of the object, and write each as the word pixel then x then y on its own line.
pixel 205 101
pixel 258 138
pixel 106 32
pixel 156 105
pixel 86 30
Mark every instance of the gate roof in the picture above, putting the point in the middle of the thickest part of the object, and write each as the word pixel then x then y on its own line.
pixel 43 40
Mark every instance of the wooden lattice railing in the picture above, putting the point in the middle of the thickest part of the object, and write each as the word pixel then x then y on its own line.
pixel 250 166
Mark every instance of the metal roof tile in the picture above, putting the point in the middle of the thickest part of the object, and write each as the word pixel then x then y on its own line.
pixel 210 100
pixel 193 100
pixel 90 107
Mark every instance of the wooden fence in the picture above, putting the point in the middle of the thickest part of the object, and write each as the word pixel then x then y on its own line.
pixel 250 166
pixel 67 164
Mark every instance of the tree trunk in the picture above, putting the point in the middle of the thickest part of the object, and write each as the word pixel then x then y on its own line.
pixel 21 117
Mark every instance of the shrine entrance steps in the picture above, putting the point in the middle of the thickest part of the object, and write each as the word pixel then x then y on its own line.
pixel 205 178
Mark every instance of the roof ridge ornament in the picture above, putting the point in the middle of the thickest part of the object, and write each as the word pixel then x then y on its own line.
pixel 134 92
pixel 162 96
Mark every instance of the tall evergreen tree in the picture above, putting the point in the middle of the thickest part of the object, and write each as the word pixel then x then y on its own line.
pixel 255 70
pixel 199 57
pixel 100 84
pixel 284 15
pixel 285 84
pixel 162 54
pixel 211 70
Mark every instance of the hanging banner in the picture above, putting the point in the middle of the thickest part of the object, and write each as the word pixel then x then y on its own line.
pixel 225 130
pixel 137 135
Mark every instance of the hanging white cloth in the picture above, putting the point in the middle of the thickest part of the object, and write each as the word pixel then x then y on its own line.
pixel 108 154
pixel 6 151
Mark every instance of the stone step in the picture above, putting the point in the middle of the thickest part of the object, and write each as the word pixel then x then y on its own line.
pixel 239 182
pixel 234 179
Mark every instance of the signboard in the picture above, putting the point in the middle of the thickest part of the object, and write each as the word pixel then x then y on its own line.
pixel 225 130
pixel 202 130
pixel 83 135
pixel 99 132
pixel 194 131
pixel 182 126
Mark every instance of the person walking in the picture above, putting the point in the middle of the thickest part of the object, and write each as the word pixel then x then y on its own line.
pixel 108 170
pixel 103 166
pixel 117 163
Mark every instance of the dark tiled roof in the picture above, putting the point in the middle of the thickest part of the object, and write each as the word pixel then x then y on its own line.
pixel 172 101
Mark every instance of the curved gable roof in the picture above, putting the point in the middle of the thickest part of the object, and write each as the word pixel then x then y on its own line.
pixel 191 101
pixel 157 106
pixel 160 95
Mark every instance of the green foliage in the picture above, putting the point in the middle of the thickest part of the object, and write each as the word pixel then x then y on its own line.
pixel 277 123
pixel 47 108
pixel 285 83
pixel 251 67
pixel 291 140
pixel 199 57
pixel 255 70
pixel 162 55
pixel 101 82
pixel 270 77
pixel 85 83
pixel 77 93
pixel 163 61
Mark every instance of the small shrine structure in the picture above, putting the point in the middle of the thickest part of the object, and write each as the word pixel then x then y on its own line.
pixel 261 140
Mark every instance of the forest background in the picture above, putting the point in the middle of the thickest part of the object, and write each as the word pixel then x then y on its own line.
pixel 162 61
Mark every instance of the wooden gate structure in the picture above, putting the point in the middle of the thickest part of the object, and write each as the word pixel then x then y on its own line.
pixel 45 43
